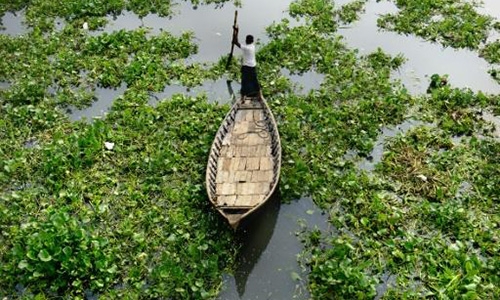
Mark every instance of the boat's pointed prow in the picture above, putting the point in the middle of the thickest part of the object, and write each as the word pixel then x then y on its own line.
pixel 234 223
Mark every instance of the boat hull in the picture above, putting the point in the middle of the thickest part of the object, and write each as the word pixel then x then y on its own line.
pixel 245 159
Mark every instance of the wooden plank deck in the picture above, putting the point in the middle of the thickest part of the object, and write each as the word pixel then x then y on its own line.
pixel 245 168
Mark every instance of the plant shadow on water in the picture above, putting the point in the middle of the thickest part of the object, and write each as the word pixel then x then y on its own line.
pixel 267 266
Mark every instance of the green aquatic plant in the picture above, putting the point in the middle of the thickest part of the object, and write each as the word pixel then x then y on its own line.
pixel 59 252
pixel 71 165
pixel 42 14
pixel 350 12
pixel 437 81
pixel 412 161
pixel 143 8
pixel 380 60
pixel 412 208
pixel 491 52
pixel 487 169
pixel 318 13
pixel 132 181
pixel 67 66
pixel 335 274
pixel 145 190
pixel 322 14
pixel 452 23
pixel 457 110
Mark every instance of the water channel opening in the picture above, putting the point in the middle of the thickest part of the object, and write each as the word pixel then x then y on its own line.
pixel 267 265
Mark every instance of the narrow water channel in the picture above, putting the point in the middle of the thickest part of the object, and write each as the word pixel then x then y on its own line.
pixel 267 266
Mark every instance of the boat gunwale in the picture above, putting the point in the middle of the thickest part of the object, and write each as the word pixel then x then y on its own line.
pixel 229 120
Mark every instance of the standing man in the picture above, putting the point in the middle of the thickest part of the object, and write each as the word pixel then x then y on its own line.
pixel 249 84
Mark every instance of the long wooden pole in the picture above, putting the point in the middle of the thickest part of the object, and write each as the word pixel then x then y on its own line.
pixel 232 40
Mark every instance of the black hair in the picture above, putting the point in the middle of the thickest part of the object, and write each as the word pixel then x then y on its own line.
pixel 249 39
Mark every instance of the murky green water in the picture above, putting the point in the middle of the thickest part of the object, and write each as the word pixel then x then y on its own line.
pixel 267 265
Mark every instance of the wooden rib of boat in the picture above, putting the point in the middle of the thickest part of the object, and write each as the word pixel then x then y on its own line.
pixel 245 159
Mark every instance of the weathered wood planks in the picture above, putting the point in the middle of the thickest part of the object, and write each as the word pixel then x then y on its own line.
pixel 243 160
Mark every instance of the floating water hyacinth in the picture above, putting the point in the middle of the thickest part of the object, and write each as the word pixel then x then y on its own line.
pixel 405 218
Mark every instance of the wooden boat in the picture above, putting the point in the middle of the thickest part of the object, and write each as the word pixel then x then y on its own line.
pixel 244 161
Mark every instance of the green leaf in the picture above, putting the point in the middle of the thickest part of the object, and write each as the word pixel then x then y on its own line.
pixel 112 269
pixel 99 283
pixel 37 274
pixel 23 264
pixel 44 256
pixel 68 251
pixel 171 238
pixel 31 255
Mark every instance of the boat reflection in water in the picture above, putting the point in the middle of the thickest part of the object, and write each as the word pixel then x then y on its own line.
pixel 267 266
pixel 254 235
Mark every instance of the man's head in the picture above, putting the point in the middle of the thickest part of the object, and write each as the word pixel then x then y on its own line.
pixel 249 39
